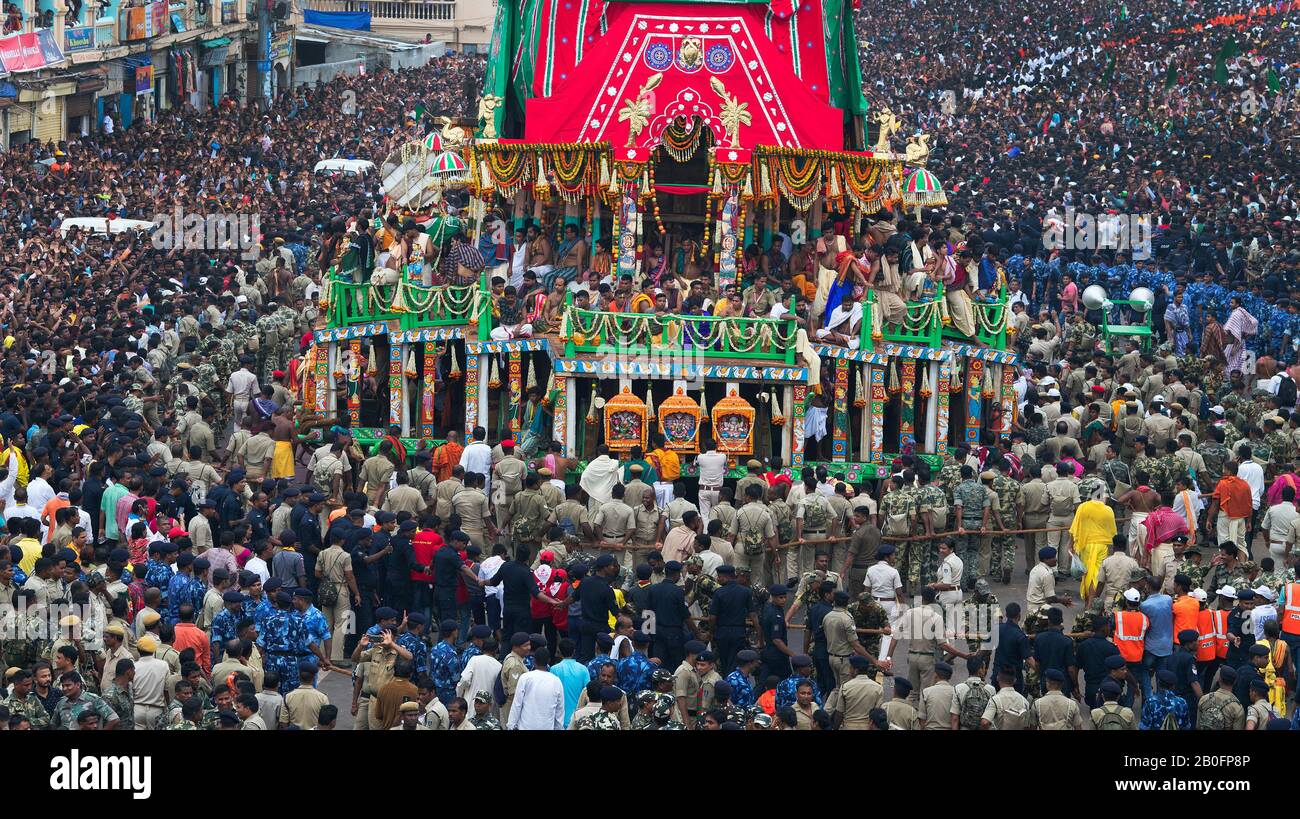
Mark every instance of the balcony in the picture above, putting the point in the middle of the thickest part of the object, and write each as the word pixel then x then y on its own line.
pixel 391 10
pixel 601 333
pixel 413 305
pixel 926 325
pixel 409 21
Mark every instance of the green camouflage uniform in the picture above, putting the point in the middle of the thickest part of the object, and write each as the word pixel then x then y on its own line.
pixel 867 613
pixel 758 599
pixel 1280 444
pixel 1165 470
pixel 30 708
pixel 288 335
pixel 982 616
pixel 899 503
pixel 973 499
pixel 599 721
pixel 1215 456
pixel 1115 471
pixel 1196 572
pixel 923 556
pixel 269 341
pixel 183 725
pixel 1002 556
pixel 21 650
pixel 487 723
pixel 783 519
pixel 1081 336
pixel 948 479
pixel 206 379
pixel 119 700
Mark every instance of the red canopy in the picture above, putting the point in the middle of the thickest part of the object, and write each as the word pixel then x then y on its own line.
pixel 690 46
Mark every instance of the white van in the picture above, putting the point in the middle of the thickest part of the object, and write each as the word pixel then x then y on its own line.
pixel 344 167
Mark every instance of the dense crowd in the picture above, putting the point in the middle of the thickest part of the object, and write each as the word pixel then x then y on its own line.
pixel 182 558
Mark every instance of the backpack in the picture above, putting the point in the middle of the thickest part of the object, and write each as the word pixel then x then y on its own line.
pixel 499 689
pixel 817 514
pixel 972 709
pixel 1009 720
pixel 327 592
pixel 1112 720
pixel 1170 722
pixel 1211 717
pixel 752 542
pixel 1286 392
pixel 567 525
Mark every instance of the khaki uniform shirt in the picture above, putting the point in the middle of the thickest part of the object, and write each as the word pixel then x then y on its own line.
pixel 936 707
pixel 1055 711
pixel 404 498
pixel 855 699
pixel 613 520
pixel 472 506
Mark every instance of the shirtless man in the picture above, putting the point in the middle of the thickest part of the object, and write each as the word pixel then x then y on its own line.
pixel 1139 501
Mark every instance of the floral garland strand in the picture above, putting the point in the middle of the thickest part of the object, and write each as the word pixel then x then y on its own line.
pixel 680 143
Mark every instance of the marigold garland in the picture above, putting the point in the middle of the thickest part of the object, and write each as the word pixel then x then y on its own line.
pixel 680 143
pixel 509 172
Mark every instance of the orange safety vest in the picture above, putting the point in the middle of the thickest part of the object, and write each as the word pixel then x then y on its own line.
pixel 1291 609
pixel 1130 634
pixel 1213 643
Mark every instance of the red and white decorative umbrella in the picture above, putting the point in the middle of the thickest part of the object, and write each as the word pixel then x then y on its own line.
pixel 448 164
pixel 433 143
pixel 922 189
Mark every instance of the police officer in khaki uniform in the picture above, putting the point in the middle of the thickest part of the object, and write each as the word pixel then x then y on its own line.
pixel 842 638
pixel 852 702
pixel 936 701
pixel 927 635
pixel 1054 711
pixel 756 540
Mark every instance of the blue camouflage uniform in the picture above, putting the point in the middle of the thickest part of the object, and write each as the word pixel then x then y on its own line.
pixel 785 692
pixel 158 573
pixel 634 672
pixel 223 629
pixel 284 641
pixel 471 651
pixel 183 589
pixel 315 627
pixel 419 651
pixel 258 612
pixel 444 668
pixel 742 693
pixel 594 664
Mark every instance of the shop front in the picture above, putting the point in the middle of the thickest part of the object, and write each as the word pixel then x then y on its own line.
pixel 212 64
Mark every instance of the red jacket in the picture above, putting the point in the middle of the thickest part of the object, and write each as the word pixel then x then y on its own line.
pixel 424 544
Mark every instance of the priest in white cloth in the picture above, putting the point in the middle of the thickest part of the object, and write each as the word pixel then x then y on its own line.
pixel 843 326
pixel 1239 327
pixel 599 478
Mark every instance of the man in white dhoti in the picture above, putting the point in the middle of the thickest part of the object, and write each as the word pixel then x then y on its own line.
pixel 599 478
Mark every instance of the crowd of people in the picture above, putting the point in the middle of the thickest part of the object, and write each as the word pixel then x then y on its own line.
pixel 180 558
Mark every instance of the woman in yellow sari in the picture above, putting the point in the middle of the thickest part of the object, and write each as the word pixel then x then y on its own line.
pixel 1092 532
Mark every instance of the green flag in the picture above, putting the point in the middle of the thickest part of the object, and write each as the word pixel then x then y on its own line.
pixel 419 113
pixel 1110 69
pixel 1274 85
pixel 1229 51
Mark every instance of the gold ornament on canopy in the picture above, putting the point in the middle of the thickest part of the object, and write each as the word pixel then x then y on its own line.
pixel 625 422
pixel 679 421
pixel 733 425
